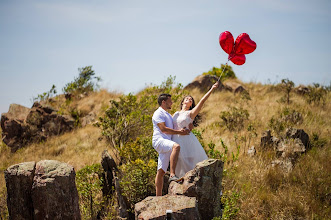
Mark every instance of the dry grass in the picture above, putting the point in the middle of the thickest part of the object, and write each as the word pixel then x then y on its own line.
pixel 265 193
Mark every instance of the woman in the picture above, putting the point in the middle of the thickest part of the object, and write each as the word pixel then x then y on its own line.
pixel 191 151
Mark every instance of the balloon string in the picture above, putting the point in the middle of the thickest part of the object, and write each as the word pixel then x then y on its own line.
pixel 222 71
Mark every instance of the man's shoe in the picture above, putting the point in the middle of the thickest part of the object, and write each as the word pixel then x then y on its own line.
pixel 173 178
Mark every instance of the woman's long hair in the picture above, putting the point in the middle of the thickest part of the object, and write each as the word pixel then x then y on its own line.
pixel 198 117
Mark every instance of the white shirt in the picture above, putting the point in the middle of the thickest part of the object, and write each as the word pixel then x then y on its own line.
pixel 159 116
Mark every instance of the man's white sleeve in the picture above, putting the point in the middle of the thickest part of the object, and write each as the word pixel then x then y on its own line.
pixel 159 118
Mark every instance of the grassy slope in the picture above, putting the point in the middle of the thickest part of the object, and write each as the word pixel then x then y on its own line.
pixel 264 192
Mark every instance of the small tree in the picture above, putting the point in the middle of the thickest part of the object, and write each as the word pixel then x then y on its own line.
pixel 85 82
pixel 288 85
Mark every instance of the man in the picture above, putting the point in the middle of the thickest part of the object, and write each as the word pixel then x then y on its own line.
pixel 167 149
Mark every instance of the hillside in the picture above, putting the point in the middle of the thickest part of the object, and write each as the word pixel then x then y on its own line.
pixel 252 188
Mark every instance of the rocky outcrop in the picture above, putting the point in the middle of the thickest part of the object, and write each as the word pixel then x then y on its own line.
pixel 196 196
pixel 21 125
pixel 288 148
pixel 204 83
pixel 183 207
pixel 234 87
pixel 203 183
pixel 43 190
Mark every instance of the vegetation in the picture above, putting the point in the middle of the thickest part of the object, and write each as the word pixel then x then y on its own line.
pixel 86 82
pixel 251 188
pixel 228 73
pixel 287 85
pixel 46 95
pixel 89 184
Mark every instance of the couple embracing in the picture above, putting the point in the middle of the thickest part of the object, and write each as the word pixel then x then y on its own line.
pixel 173 140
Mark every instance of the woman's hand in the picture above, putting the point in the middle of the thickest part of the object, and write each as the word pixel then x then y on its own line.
pixel 215 85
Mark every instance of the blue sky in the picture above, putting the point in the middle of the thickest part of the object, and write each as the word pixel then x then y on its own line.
pixel 134 43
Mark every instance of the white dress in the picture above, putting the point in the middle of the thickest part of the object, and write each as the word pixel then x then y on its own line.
pixel 191 151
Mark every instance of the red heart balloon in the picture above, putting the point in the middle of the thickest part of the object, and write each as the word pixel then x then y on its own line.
pixel 244 45
pixel 226 41
pixel 238 59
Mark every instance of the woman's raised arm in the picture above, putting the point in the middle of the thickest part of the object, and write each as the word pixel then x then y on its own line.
pixel 195 111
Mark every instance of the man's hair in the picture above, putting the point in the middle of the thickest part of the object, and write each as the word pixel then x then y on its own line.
pixel 163 97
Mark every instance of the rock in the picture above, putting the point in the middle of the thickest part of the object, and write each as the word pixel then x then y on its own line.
pixel 108 164
pixel 203 183
pixel 121 200
pixel 302 90
pixel 290 148
pixel 251 151
pixel 234 87
pixel 266 139
pixel 285 164
pixel 54 192
pixel 203 83
pixel 45 190
pixel 300 134
pixel 21 125
pixel 19 180
pixel 88 119
pixel 154 207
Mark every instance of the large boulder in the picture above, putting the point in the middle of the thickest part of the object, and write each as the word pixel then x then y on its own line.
pixel 54 192
pixel 43 190
pixel 203 183
pixel 19 180
pixel 21 125
pixel 204 83
pixel 155 207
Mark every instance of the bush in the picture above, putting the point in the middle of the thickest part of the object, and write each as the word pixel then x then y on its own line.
pixel 141 148
pixel 227 72
pixel 89 184
pixel 86 82
pixel 235 118
pixel 126 120
pixel 137 180
pixel 316 94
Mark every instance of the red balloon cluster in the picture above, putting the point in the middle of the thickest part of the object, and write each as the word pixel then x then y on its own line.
pixel 237 50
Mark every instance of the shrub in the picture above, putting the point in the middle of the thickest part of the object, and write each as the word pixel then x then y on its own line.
pixel 89 184
pixel 316 94
pixel 234 118
pixel 141 148
pixel 86 82
pixel 228 73
pixel 137 180
pixel 126 119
